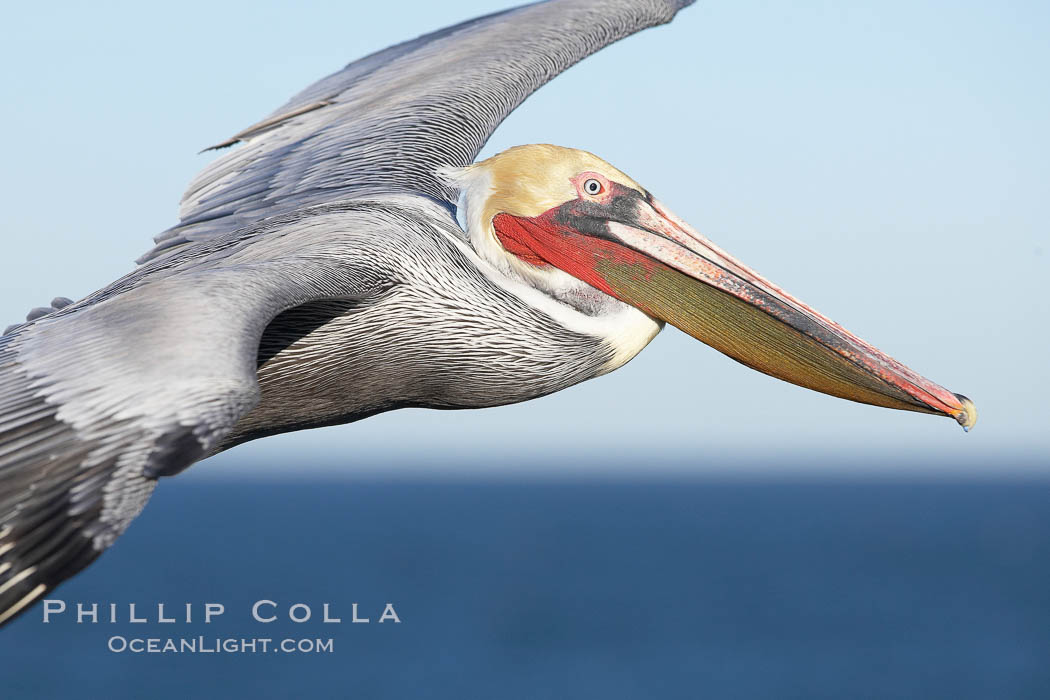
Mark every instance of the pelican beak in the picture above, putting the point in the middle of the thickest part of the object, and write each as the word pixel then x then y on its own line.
pixel 635 249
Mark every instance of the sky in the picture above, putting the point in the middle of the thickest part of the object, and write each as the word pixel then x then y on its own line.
pixel 886 162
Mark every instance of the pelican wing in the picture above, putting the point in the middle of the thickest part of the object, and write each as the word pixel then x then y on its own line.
pixel 385 122
pixel 102 397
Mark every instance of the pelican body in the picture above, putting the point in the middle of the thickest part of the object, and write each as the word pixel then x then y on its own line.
pixel 319 275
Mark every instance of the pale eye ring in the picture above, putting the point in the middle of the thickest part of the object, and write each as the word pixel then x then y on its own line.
pixel 592 186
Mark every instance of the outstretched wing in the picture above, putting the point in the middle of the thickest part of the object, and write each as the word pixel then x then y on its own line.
pixel 138 381
pixel 384 123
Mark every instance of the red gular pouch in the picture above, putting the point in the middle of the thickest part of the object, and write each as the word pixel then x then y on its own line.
pixel 574 236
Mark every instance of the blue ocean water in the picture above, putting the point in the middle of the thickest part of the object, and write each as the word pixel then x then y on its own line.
pixel 595 589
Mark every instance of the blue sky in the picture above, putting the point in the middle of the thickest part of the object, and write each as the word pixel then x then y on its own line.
pixel 887 162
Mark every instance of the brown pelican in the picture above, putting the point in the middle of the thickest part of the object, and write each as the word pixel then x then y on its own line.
pixel 318 275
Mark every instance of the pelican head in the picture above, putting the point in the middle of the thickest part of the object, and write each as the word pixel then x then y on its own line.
pixel 569 224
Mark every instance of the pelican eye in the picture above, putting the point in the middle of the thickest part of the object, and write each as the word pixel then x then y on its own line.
pixel 592 186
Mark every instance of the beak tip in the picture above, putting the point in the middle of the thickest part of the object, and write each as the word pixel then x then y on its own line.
pixel 967 415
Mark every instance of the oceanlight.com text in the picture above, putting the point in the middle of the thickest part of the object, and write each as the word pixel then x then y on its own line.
pixel 218 645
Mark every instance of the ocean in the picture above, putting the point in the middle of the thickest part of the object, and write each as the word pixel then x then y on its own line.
pixel 596 588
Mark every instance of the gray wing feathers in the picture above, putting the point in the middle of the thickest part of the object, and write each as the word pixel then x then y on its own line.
pixel 99 399
pixel 385 123
pixel 95 405
pixel 139 380
pixel 41 311
pixel 63 496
